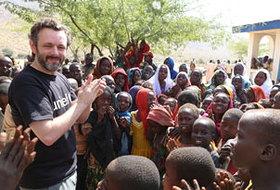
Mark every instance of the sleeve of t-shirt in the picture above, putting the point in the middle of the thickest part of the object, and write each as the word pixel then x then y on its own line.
pixel 32 102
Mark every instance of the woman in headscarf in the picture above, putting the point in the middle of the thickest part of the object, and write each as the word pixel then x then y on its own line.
pixel 240 69
pixel 239 85
pixel 161 80
pixel 218 78
pixel 170 63
pixel 262 79
pixel 104 66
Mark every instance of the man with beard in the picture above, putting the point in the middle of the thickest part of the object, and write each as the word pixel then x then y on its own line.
pixel 41 98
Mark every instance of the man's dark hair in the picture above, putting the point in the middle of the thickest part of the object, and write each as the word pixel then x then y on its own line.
pixel 135 173
pixel 193 163
pixel 51 24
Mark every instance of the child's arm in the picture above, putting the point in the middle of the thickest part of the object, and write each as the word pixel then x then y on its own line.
pixel 117 130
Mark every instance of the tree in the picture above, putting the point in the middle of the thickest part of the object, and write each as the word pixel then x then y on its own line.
pixel 105 23
pixel 7 51
pixel 240 47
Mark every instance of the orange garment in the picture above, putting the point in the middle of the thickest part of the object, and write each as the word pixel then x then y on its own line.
pixel 81 141
pixel 96 72
pixel 258 92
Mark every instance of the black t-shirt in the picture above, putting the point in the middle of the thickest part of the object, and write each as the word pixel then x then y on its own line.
pixel 35 96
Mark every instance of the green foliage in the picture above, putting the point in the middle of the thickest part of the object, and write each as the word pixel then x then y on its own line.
pixel 164 24
pixel 7 51
pixel 239 47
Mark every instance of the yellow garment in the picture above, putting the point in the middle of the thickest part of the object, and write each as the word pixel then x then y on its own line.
pixel 81 141
pixel 8 124
pixel 140 146
pixel 213 146
pixel 250 186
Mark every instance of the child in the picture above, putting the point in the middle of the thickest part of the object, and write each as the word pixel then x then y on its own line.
pixel 161 98
pixel 133 93
pixel 189 164
pixel 110 82
pixel 203 134
pixel 173 105
pixel 156 133
pixel 183 68
pixel 182 82
pixel 134 76
pixel 145 99
pixel 229 125
pixel 123 104
pixel 262 79
pixel 161 80
pixel 257 147
pixel 130 172
pixel 239 85
pixel 188 96
pixel 274 90
pixel 121 80
pixel 218 78
pixel 221 103
pixel 147 72
pixel 170 63
pixel 187 114
pixel 206 102
pixel 104 66
pixel 195 79
pixel 276 101
pixel 103 138
pixel 254 93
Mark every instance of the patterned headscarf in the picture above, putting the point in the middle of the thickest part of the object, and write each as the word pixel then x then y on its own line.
pixel 159 111
pixel 96 72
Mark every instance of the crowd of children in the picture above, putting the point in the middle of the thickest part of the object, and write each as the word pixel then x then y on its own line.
pixel 156 128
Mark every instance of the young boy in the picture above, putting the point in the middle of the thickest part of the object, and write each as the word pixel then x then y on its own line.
pixel 203 133
pixel 188 163
pixel 130 172
pixel 257 147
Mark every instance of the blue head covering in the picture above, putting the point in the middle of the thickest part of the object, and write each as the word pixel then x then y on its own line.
pixel 173 73
pixel 126 113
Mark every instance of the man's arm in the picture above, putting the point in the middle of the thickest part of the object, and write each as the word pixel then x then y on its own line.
pixel 49 131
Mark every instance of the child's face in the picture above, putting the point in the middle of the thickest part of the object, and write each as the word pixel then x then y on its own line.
pixel 162 74
pixel 170 176
pixel 120 80
pixel 206 103
pixel 238 70
pixel 137 76
pixel 182 80
pixel 250 95
pixel 184 68
pixel 195 77
pixel 237 83
pixel 273 92
pixel 111 83
pixel 220 78
pixel 103 102
pixel 123 102
pixel 228 128
pixel 171 103
pixel 260 78
pixel 220 103
pixel 147 72
pixel 247 147
pixel 186 120
pixel 201 134
pixel 105 67
pixel 151 99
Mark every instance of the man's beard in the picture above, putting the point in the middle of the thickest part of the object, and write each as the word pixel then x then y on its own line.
pixel 49 66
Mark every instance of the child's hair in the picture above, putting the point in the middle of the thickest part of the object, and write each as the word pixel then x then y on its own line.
pixel 193 163
pixel 188 96
pixel 211 124
pixel 233 113
pixel 265 103
pixel 135 172
pixel 192 107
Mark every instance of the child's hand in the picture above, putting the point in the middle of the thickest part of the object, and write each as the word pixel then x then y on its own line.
pixel 171 145
pixel 174 132
pixel 123 122
pixel 111 112
pixel 186 186
pixel 86 128
pixel 224 181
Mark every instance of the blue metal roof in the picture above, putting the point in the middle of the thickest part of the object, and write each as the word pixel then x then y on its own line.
pixel 275 24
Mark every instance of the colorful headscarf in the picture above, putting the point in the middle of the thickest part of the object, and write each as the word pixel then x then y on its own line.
pixel 258 92
pixel 131 74
pixel 173 73
pixel 141 102
pixel 212 85
pixel 154 80
pixel 126 113
pixel 159 111
pixel 133 92
pixel 96 72
pixel 266 86
pixel 121 71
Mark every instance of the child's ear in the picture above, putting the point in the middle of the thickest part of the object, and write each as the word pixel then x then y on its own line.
pixel 269 152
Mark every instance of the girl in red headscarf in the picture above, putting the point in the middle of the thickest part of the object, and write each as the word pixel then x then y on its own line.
pixel 121 80
pixel 255 93
pixel 145 99
pixel 104 66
